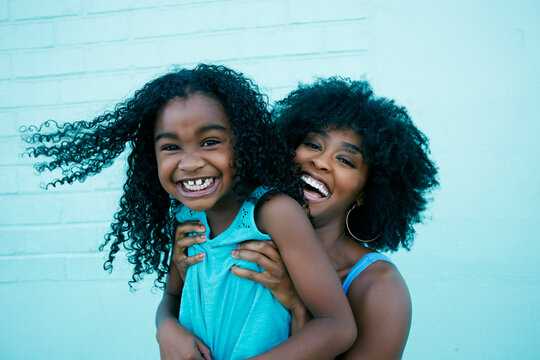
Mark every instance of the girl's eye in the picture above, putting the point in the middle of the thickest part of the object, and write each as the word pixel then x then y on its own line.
pixel 170 147
pixel 210 142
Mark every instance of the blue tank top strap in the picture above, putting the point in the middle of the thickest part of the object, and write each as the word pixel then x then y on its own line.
pixel 361 265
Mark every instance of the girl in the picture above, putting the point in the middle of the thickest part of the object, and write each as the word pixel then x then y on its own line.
pixel 200 137
pixel 367 174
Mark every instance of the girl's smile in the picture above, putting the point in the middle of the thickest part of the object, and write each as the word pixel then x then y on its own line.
pixel 193 145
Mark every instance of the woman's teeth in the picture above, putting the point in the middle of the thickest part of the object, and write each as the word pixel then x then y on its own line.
pixel 316 184
pixel 199 184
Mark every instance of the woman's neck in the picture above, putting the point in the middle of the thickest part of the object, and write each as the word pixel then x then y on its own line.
pixel 343 251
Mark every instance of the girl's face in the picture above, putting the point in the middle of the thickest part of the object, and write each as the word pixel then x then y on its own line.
pixel 193 146
pixel 334 170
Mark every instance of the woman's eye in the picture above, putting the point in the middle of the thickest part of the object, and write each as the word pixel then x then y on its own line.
pixel 312 145
pixel 346 162
pixel 210 142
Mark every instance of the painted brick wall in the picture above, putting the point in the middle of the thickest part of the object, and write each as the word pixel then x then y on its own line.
pixel 462 69
pixel 70 60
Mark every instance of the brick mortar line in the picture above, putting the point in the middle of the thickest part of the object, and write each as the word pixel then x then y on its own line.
pixel 192 34
pixel 299 56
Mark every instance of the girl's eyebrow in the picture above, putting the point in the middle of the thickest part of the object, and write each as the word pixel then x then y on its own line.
pixel 199 131
pixel 203 129
pixel 165 135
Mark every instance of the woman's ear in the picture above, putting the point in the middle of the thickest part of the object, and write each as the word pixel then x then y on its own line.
pixel 360 199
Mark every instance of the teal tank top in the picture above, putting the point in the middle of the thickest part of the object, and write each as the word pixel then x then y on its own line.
pixel 361 265
pixel 236 318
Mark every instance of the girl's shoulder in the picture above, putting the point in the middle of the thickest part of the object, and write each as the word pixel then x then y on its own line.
pixel 278 209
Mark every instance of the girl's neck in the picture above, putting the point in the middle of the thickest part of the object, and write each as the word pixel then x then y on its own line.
pixel 221 217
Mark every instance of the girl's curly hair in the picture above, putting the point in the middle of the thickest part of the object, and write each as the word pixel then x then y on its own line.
pixel 143 225
pixel 401 174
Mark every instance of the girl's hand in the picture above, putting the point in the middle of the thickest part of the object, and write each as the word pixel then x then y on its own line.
pixel 275 276
pixel 178 343
pixel 182 241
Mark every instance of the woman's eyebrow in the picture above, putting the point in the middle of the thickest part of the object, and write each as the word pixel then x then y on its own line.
pixel 352 147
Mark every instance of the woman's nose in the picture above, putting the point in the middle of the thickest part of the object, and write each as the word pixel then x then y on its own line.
pixel 320 162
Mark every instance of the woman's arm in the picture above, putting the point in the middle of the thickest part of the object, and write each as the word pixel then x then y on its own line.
pixel 332 329
pixel 381 306
pixel 379 299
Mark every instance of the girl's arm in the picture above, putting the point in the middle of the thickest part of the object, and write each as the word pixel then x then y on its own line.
pixel 275 278
pixel 379 300
pixel 175 341
pixel 332 329
pixel 382 309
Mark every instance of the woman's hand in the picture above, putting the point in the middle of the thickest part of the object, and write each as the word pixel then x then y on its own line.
pixel 178 343
pixel 275 277
pixel 183 241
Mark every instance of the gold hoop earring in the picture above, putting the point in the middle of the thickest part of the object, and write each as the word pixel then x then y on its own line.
pixel 351 233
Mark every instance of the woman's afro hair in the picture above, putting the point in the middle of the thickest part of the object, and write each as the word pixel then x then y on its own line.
pixel 143 225
pixel 401 174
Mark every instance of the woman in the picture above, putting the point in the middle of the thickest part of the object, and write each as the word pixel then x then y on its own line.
pixel 367 175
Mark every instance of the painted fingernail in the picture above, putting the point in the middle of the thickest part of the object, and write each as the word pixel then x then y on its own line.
pixel 203 236
pixel 201 255
pixel 203 228
pixel 233 253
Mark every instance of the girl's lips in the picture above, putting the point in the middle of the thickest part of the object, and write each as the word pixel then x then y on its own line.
pixel 197 193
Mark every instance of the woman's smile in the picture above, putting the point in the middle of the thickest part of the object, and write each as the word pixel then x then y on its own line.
pixel 333 170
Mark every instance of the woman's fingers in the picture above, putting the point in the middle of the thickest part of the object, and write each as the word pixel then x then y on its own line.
pixel 183 262
pixel 203 349
pixel 260 259
pixel 261 278
pixel 183 241
pixel 266 248
pixel 188 227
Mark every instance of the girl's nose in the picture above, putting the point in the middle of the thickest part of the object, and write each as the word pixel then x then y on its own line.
pixel 191 162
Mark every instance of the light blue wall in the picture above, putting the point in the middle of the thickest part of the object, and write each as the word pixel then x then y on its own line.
pixel 466 70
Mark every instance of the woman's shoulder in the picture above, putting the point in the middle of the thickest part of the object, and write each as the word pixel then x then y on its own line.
pixel 380 289
pixel 376 272
pixel 381 305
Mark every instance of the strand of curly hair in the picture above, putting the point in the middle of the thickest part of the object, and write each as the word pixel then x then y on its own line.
pixel 143 225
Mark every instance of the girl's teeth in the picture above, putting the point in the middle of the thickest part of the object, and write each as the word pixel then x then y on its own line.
pixel 316 184
pixel 199 184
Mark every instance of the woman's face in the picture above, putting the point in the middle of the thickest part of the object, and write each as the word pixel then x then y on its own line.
pixel 334 170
